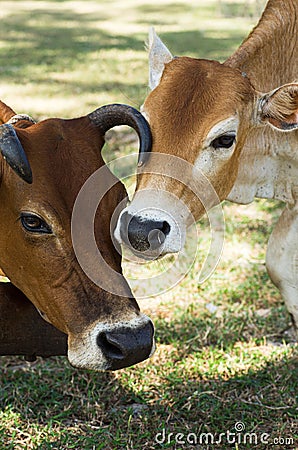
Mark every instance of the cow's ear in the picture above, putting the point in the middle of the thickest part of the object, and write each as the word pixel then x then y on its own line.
pixel 279 108
pixel 159 55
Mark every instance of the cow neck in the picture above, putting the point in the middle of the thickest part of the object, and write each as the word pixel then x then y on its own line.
pixel 269 55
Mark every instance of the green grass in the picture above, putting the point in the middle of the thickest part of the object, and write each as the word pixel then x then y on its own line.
pixel 223 355
pixel 68 57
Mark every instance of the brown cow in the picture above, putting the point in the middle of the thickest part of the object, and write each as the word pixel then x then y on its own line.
pixel 43 168
pixel 226 121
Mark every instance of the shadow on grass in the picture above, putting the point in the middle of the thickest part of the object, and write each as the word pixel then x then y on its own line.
pixel 249 310
pixel 200 45
pixel 58 40
pixel 241 9
pixel 206 377
pixel 66 408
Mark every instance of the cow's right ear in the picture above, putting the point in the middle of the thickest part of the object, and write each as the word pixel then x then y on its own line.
pixel 279 108
pixel 159 55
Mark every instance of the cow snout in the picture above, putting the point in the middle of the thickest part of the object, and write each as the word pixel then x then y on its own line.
pixel 125 346
pixel 112 346
pixel 143 234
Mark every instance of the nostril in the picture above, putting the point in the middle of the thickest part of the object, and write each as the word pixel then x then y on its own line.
pixel 166 228
pixel 137 231
pixel 110 347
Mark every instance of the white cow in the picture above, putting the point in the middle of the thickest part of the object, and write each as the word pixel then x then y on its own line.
pixel 234 122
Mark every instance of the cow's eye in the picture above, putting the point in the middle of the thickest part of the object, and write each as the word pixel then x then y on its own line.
pixel 34 224
pixel 224 141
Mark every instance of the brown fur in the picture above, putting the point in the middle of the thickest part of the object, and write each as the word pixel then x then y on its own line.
pixel 180 123
pixel 269 55
pixel 62 155
pixel 194 94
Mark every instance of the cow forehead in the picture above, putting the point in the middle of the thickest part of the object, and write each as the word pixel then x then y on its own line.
pixel 63 154
pixel 51 138
pixel 189 81
pixel 194 95
pixel 62 150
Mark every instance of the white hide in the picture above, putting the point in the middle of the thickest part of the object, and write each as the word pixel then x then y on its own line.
pixel 282 258
pixel 210 159
pixel 268 167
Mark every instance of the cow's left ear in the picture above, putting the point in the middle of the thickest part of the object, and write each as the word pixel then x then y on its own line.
pixel 279 108
pixel 159 55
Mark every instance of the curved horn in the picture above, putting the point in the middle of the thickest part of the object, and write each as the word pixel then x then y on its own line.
pixel 109 116
pixel 13 152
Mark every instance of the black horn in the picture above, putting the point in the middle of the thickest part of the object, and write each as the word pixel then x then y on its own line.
pixel 109 116
pixel 13 152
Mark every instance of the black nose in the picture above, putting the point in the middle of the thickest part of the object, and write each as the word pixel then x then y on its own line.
pixel 143 234
pixel 126 346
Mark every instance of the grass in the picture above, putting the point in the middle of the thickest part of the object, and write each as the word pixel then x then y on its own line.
pixel 68 57
pixel 223 356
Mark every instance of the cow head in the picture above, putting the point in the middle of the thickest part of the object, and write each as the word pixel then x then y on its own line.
pixel 200 113
pixel 43 168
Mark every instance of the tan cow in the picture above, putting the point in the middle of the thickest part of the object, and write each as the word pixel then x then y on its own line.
pixel 236 123
pixel 43 168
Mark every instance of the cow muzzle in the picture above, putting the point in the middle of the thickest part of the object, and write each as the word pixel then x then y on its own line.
pixel 150 232
pixel 144 234
pixel 107 346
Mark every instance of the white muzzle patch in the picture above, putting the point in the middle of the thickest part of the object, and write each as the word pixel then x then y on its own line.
pixel 85 351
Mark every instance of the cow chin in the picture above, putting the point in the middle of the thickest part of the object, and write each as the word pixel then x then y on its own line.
pixel 112 346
